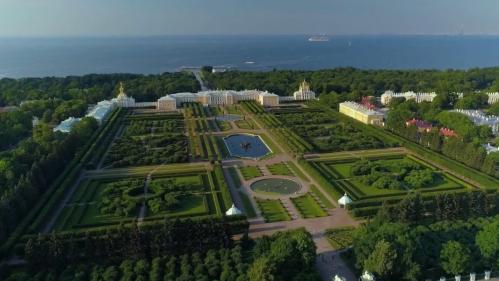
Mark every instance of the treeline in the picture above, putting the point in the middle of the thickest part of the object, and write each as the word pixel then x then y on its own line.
pixel 397 251
pixel 284 256
pixel 224 265
pixel 465 147
pixel 415 208
pixel 14 126
pixel 29 169
pixel 356 83
pixel 95 87
pixel 173 237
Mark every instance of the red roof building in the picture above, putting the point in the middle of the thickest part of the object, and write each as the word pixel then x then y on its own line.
pixel 446 132
pixel 365 102
pixel 422 125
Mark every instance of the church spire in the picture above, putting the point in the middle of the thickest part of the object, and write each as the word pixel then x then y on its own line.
pixel 122 89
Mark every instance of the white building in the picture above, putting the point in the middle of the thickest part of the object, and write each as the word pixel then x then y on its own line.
pixel 123 100
pixel 493 97
pixel 490 148
pixel 304 92
pixel 479 118
pixel 221 97
pixel 420 97
pixel 66 125
pixel 166 103
pixel 345 200
pixel 387 96
pixel 233 211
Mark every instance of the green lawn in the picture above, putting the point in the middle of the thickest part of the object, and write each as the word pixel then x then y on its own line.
pixel 308 207
pixel 297 171
pixel 280 169
pixel 189 206
pixel 270 144
pixel 321 196
pixel 273 210
pixel 233 109
pixel 249 210
pixel 246 124
pixel 224 126
pixel 343 169
pixel 250 172
pixel 340 238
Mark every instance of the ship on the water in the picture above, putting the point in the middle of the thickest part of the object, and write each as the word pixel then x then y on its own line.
pixel 318 38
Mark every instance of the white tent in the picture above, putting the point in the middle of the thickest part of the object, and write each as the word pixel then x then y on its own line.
pixel 339 278
pixel 345 200
pixel 367 276
pixel 233 211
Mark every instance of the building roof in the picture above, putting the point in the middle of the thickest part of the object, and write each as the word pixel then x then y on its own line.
pixel 167 97
pixel 233 211
pixel 419 123
pixel 101 110
pixel 359 107
pixel 66 125
pixel 446 132
pixel 183 95
pixel 345 200
pixel 267 94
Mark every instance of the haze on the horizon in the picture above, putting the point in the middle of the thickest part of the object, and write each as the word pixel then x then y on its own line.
pixel 25 18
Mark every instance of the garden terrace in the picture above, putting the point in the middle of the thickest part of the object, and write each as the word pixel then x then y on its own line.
pixel 327 131
pixel 148 140
pixel 340 175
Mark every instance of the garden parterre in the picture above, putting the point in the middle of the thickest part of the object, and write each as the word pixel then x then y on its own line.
pixel 116 199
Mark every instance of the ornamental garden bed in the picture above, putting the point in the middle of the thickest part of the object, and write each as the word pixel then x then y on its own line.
pixel 327 131
pixel 273 210
pixel 383 178
pixel 148 141
pixel 308 207
pixel 109 201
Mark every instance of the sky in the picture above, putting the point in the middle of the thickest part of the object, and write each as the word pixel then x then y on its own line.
pixel 48 18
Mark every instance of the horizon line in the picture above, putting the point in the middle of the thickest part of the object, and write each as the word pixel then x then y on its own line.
pixel 241 34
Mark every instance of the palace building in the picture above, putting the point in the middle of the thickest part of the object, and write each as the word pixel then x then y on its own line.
pixel 361 113
pixel 304 92
pixel 218 97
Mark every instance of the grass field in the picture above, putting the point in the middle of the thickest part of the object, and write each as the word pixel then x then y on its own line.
pixel 280 169
pixel 308 207
pixel 249 210
pixel 273 210
pixel 250 172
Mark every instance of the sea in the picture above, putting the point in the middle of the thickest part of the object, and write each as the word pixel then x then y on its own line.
pixel 40 57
